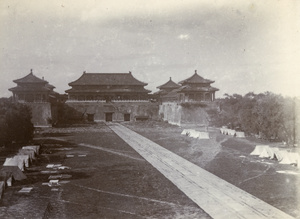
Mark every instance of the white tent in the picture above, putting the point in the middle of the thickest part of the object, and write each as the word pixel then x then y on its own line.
pixel 268 152
pixel 203 135
pixel 240 134
pixel 286 158
pixel 231 132
pixel 194 134
pixel 258 149
pixel 294 157
pixel 186 132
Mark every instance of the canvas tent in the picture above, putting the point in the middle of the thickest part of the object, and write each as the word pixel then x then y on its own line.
pixel 286 159
pixel 186 132
pixel 240 134
pixel 194 134
pixel 290 158
pixel 258 149
pixel 203 135
pixel 231 132
pixel 268 152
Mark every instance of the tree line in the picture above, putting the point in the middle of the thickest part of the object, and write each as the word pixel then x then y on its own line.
pixel 266 115
pixel 15 122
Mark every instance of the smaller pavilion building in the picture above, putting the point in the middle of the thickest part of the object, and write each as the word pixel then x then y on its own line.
pixel 39 95
pixel 192 89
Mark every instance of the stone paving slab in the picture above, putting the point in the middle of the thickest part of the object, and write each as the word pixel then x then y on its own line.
pixel 217 197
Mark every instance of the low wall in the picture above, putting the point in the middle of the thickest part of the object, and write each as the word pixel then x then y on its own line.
pixel 117 109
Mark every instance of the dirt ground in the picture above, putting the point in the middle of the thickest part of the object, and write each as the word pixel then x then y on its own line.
pixel 108 179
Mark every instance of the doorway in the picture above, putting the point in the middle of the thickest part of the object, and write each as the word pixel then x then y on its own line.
pixel 108 117
pixel 127 117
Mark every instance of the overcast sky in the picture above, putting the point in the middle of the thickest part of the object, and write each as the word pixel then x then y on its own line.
pixel 242 45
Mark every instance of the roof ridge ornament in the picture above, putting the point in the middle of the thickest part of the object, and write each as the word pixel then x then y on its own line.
pixel 31 71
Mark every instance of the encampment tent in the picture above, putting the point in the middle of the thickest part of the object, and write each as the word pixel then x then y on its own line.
pixel 203 135
pixel 17 174
pixel 258 149
pixel 194 133
pixel 279 154
pixel 268 152
pixel 231 132
pixel 294 158
pixel 185 132
pixel 286 158
pixel 240 134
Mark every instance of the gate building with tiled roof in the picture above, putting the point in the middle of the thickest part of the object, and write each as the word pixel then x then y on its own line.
pixel 107 87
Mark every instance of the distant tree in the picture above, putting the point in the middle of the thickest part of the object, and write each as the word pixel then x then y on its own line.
pixel 267 114
pixel 15 122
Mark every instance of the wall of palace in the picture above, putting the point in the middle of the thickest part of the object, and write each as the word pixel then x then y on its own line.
pixel 117 111
pixel 177 114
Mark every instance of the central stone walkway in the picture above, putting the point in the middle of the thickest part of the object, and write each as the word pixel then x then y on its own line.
pixel 215 196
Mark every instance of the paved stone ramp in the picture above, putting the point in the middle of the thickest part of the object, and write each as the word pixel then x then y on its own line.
pixel 215 196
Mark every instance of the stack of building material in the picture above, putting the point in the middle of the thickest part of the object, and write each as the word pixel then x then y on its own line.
pixel 35 148
pixel 25 159
pixel 29 152
pixel 14 161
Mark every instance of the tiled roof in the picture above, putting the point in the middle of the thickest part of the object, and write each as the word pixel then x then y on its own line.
pixel 30 78
pixel 169 85
pixel 196 79
pixel 107 79
pixel 72 90
pixel 50 86
pixel 199 89
pixel 30 89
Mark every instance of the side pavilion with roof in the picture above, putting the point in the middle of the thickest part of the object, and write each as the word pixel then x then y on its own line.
pixel 107 87
pixel 192 89
pixel 39 95
pixel 32 89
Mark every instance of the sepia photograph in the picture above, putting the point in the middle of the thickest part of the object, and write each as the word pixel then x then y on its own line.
pixel 150 109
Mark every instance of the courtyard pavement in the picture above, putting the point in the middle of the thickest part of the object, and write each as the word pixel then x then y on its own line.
pixel 215 196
